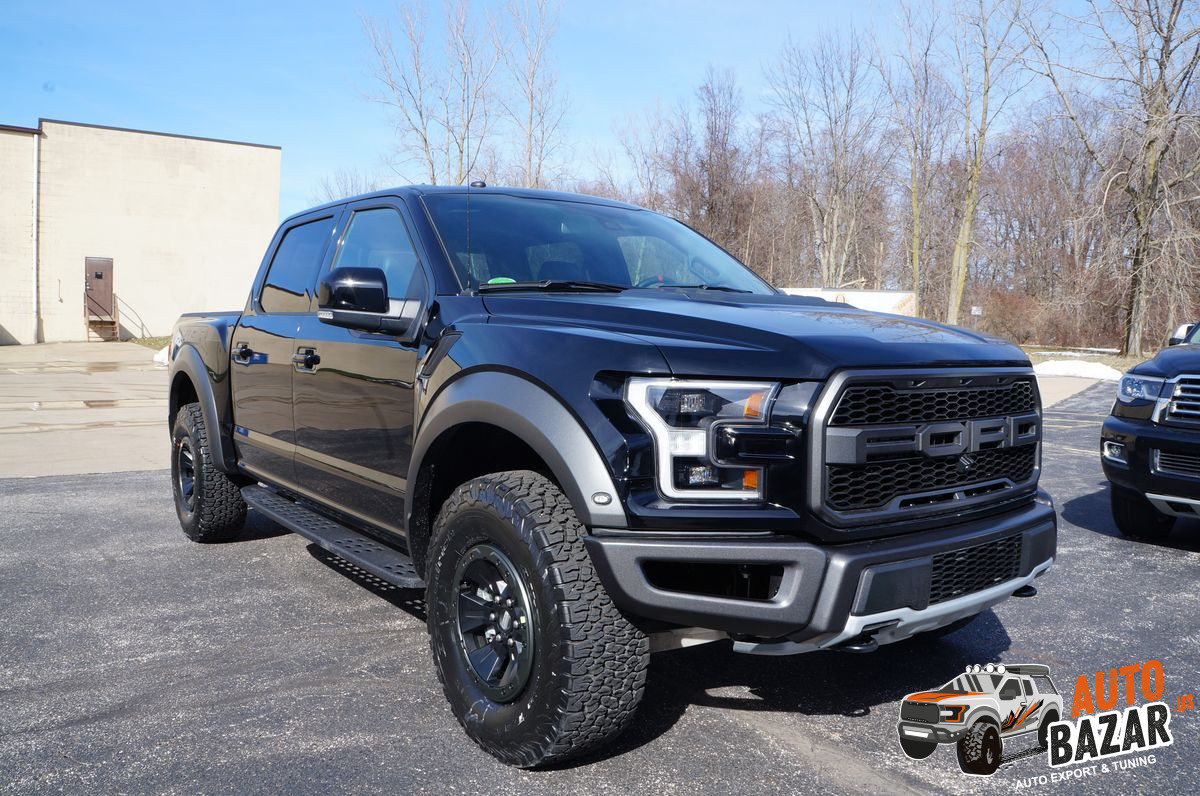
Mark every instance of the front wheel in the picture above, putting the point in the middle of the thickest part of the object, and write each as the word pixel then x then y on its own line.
pixel 537 663
pixel 979 750
pixel 1137 517
pixel 917 750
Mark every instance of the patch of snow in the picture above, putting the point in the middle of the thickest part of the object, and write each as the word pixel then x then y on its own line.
pixel 1082 370
pixel 161 357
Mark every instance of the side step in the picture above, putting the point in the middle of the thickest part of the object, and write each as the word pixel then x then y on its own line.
pixel 361 551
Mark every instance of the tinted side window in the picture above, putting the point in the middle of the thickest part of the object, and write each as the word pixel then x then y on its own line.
pixel 288 287
pixel 1010 690
pixel 1028 687
pixel 377 239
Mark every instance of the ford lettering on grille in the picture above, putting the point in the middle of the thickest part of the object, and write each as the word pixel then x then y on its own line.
pixel 907 446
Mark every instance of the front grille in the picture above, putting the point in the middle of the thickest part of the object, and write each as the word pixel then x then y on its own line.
pixel 875 404
pixel 1184 406
pixel 875 484
pixel 924 712
pixel 1185 464
pixel 973 569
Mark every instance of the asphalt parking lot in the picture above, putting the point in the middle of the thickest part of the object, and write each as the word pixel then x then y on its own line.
pixel 133 660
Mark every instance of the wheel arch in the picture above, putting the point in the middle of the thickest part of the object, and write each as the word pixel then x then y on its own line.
pixel 190 381
pixel 489 421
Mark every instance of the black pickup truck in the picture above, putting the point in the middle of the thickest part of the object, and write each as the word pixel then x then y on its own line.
pixel 589 433
pixel 1150 445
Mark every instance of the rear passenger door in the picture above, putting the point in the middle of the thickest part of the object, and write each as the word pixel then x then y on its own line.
pixel 355 405
pixel 263 343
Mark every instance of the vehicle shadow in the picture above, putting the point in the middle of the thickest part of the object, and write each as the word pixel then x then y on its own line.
pixel 817 683
pixel 713 675
pixel 258 527
pixel 1092 513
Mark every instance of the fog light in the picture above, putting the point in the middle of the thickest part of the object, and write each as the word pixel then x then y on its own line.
pixel 1114 451
pixel 700 476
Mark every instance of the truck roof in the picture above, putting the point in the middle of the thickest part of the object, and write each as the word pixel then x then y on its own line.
pixel 422 190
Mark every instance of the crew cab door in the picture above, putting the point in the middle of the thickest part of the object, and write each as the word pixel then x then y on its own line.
pixel 354 400
pixel 1015 706
pixel 263 343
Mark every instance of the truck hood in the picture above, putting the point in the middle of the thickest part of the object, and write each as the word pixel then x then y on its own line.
pixel 1171 362
pixel 702 332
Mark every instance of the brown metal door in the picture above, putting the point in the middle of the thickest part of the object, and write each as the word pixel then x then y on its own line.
pixel 98 287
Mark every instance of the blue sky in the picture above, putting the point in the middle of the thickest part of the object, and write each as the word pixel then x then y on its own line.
pixel 294 74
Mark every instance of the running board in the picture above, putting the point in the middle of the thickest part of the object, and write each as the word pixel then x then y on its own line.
pixel 362 551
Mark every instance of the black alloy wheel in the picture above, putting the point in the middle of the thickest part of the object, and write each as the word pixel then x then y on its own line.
pixel 495 626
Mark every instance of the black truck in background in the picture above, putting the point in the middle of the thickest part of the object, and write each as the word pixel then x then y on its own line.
pixel 1150 445
pixel 588 433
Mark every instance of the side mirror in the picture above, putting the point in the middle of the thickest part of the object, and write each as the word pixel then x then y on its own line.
pixel 354 289
pixel 1181 334
pixel 357 298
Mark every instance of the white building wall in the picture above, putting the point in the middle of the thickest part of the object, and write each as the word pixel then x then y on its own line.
pixel 17 171
pixel 184 220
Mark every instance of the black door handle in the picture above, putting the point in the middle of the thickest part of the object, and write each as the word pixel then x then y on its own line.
pixel 243 353
pixel 306 359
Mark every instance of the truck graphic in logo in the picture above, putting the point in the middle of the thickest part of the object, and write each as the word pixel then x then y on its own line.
pixel 978 711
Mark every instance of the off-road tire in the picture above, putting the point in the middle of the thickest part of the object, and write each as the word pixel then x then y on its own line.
pixel 217 511
pixel 980 749
pixel 1043 733
pixel 589 662
pixel 918 750
pixel 1137 518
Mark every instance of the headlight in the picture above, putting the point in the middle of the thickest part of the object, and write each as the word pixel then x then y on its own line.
pixel 682 416
pixel 1135 389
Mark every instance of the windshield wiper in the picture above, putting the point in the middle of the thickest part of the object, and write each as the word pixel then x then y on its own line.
pixel 702 286
pixel 552 285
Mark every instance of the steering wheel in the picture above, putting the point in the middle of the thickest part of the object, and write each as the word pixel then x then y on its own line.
pixel 650 280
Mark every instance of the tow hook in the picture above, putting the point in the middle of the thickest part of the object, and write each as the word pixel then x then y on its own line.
pixel 859 645
pixel 1025 591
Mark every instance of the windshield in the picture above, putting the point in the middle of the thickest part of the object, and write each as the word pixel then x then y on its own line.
pixel 532 240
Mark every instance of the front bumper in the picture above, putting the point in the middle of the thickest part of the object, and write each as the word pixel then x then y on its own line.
pixel 935 733
pixel 827 594
pixel 1141 439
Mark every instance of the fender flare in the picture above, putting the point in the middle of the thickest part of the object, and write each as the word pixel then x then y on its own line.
pixel 982 713
pixel 187 361
pixel 537 418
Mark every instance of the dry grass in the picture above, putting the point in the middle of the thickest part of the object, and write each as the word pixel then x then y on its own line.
pixel 152 342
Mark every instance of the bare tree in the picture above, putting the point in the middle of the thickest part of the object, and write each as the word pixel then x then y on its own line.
pixel 539 105
pixel 442 101
pixel 828 108
pixel 1147 55
pixel 920 113
pixel 344 183
pixel 987 48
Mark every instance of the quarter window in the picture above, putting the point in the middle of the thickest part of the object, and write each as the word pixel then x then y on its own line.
pixel 288 287
pixel 377 238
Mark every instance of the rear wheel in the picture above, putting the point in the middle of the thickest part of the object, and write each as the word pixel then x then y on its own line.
pixel 1044 728
pixel 209 505
pixel 1137 517
pixel 537 663
pixel 979 750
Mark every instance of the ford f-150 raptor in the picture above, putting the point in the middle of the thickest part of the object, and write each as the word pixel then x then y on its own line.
pixel 587 431
pixel 977 711
pixel 1150 445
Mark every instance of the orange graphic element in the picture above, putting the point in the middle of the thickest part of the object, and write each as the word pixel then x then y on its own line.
pixel 938 696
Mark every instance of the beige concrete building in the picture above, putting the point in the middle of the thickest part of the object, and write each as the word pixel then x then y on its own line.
pixel 103 228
